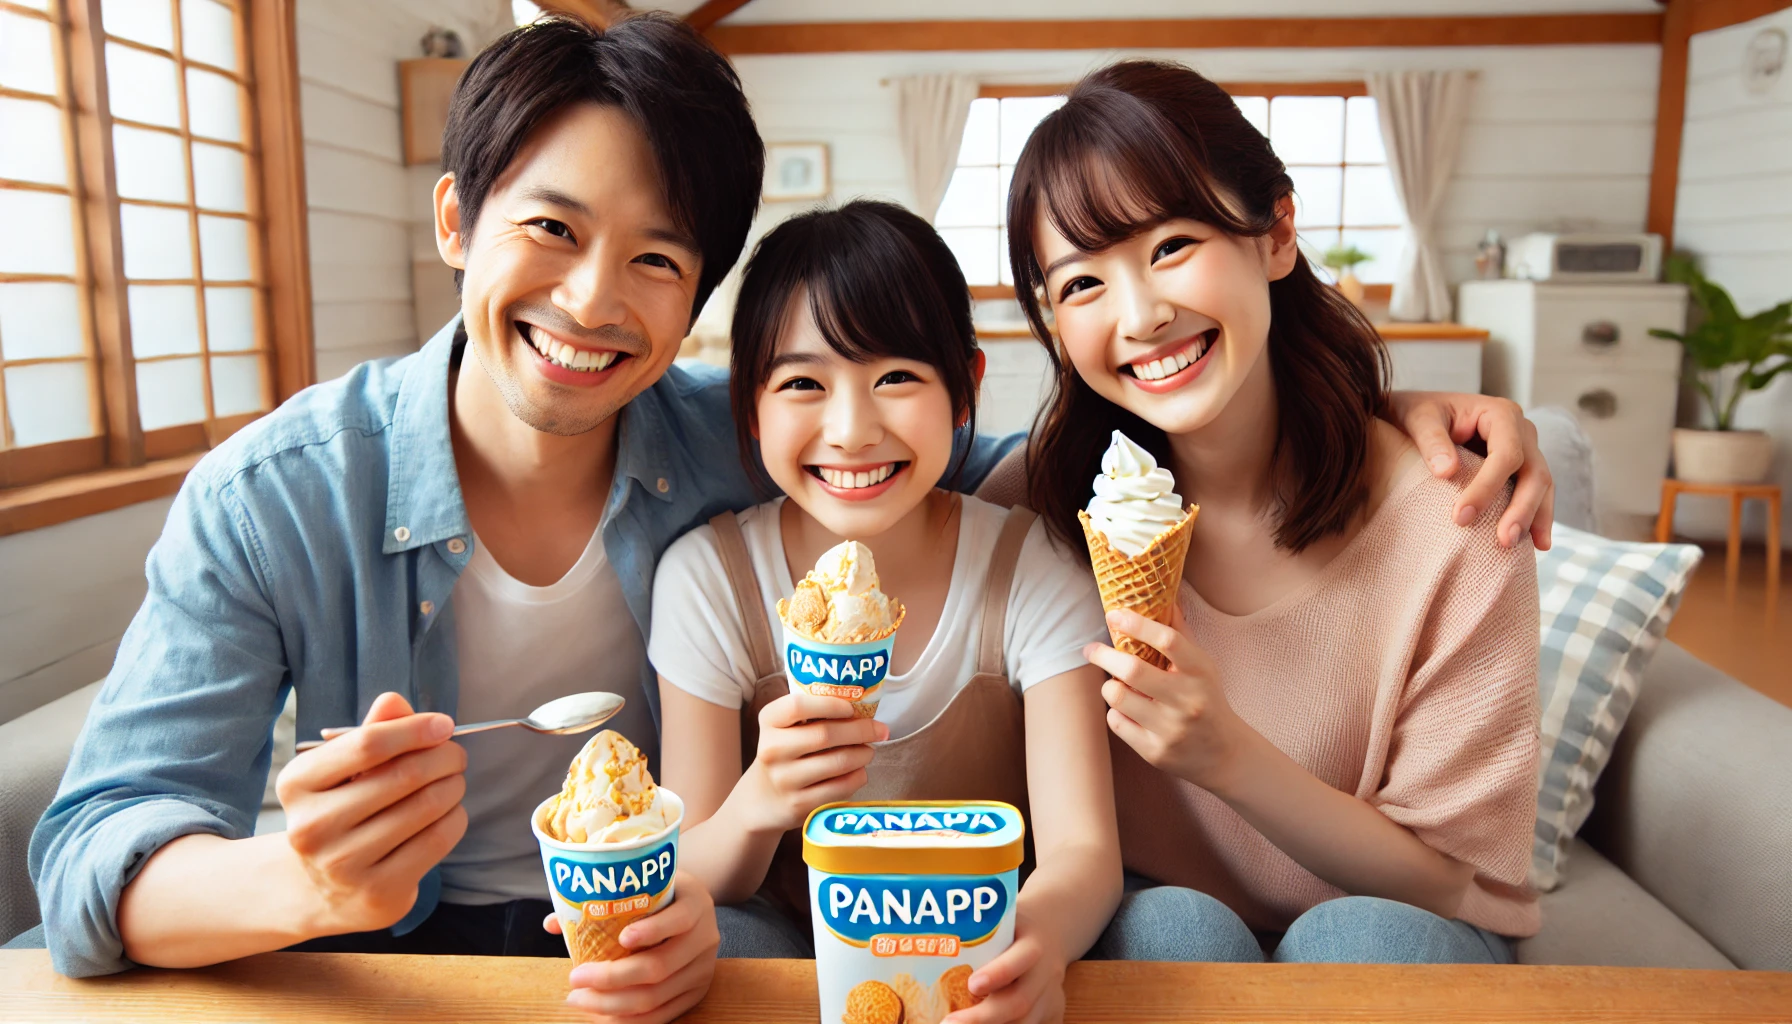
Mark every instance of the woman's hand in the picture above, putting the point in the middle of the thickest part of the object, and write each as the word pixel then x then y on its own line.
pixel 1176 718
pixel 812 751
pixel 1439 421
pixel 672 958
pixel 1025 983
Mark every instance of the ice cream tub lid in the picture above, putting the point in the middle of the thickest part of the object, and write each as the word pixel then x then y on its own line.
pixel 915 837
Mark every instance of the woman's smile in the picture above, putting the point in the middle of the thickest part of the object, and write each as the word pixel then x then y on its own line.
pixel 1161 373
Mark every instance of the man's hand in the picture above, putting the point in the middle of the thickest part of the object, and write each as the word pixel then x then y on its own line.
pixel 672 958
pixel 370 812
pixel 1439 421
pixel 812 751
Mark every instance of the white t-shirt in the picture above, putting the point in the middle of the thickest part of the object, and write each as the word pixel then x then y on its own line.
pixel 699 642
pixel 520 646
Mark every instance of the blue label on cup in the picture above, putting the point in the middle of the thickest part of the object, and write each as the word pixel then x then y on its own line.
pixel 964 908
pixel 581 880
pixel 849 671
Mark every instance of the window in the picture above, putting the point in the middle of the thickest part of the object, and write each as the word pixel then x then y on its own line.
pixel 973 215
pixel 1327 133
pixel 1329 136
pixel 135 279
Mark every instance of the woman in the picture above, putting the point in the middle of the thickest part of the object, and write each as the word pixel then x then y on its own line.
pixel 1340 762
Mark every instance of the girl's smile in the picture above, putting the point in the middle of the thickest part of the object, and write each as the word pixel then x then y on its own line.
pixel 860 483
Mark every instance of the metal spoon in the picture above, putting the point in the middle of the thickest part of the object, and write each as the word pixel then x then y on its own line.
pixel 563 716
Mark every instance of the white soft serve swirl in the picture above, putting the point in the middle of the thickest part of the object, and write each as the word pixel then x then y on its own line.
pixel 1135 498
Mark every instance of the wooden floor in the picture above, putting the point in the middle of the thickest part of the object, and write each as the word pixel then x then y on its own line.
pixel 1738 638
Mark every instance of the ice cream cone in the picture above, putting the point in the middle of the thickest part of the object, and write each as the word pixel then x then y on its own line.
pixel 593 938
pixel 1146 583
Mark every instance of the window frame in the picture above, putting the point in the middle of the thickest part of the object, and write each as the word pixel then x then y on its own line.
pixel 124 464
pixel 1268 90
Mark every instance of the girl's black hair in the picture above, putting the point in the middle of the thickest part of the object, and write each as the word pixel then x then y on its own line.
pixel 1139 143
pixel 880 282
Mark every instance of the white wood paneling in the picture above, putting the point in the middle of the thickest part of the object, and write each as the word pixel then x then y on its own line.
pixel 1734 209
pixel 69 592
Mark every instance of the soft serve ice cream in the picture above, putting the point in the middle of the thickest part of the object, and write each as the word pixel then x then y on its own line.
pixel 1135 498
pixel 840 628
pixel 609 843
pixel 1137 531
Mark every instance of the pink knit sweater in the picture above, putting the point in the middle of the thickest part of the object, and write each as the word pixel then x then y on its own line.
pixel 1406 674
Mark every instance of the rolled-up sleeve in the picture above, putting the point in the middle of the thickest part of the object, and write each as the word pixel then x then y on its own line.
pixel 179 740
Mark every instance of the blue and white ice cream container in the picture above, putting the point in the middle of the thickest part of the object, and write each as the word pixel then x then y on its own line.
pixel 908 898
pixel 852 672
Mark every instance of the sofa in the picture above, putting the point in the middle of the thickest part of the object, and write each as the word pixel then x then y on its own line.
pixel 1685 862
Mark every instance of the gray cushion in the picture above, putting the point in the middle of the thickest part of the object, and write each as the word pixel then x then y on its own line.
pixel 1696 805
pixel 34 751
pixel 1599 917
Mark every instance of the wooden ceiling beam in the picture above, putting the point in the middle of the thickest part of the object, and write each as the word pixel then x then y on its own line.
pixel 713 11
pixel 1199 33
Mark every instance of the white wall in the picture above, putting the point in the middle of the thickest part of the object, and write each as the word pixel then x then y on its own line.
pixel 1734 209
pixel 369 213
pixel 69 590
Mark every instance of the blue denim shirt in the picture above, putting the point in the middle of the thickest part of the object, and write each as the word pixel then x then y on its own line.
pixel 312 551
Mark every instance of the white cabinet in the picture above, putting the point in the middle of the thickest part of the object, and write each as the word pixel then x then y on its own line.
pixel 1586 347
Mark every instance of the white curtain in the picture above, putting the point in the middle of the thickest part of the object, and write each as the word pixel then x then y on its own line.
pixel 930 113
pixel 1421 127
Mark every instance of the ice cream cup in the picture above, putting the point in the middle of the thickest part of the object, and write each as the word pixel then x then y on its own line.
pixel 852 672
pixel 598 889
pixel 908 898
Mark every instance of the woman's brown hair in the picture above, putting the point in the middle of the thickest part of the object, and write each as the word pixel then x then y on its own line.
pixel 1139 143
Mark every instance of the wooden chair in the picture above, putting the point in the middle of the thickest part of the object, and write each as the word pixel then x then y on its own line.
pixel 1671 490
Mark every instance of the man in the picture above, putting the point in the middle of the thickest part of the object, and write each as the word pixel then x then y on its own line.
pixel 462 533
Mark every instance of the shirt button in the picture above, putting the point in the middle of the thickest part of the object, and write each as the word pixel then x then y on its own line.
pixel 664 486
pixel 427 607
pixel 456 546
pixel 402 534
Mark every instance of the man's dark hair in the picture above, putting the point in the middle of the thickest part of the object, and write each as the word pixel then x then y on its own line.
pixel 878 280
pixel 683 94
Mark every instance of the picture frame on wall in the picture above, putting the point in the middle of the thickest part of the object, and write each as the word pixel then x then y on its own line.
pixel 796 170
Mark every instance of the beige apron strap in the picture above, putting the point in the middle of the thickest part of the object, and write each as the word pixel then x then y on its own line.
pixel 1001 580
pixel 745 582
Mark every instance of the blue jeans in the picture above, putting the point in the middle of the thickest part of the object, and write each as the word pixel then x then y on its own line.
pixel 1166 922
pixel 749 929
pixel 757 930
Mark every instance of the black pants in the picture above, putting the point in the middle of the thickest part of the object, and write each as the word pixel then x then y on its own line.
pixel 496 929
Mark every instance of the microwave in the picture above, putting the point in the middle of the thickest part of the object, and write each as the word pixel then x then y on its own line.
pixel 1569 258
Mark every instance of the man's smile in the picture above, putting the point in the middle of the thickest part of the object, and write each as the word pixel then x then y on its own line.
pixel 565 356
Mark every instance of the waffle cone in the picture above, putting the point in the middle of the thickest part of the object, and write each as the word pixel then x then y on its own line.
pixel 1145 583
pixel 598 938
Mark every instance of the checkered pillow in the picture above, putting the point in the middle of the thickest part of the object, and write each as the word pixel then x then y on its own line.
pixel 1606 605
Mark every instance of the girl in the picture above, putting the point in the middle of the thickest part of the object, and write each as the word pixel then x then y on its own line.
pixel 1345 764
pixel 854 354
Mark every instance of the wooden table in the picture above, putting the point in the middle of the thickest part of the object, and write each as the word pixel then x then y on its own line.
pixel 1672 489
pixel 314 987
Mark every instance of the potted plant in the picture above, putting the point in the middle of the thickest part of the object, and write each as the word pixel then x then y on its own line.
pixel 1342 260
pixel 1729 356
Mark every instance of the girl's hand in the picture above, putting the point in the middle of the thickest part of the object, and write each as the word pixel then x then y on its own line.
pixel 1439 421
pixel 1177 719
pixel 812 751
pixel 1025 983
pixel 672 958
